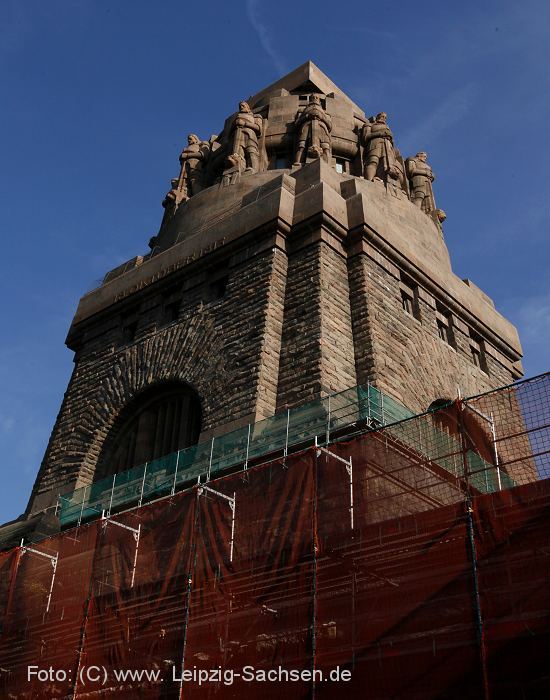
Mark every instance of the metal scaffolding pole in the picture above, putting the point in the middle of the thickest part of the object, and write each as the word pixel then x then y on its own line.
pixel 53 560
pixel 232 505
pixel 136 532
pixel 349 469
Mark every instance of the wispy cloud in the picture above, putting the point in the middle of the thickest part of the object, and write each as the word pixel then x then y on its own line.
pixel 253 12
pixel 453 108
pixel 6 424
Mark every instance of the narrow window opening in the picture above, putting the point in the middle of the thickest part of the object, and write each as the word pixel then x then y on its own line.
pixel 217 288
pixel 172 311
pixel 445 325
pixel 129 332
pixel 444 332
pixel 409 297
pixel 407 302
pixel 340 166
pixel 477 352
pixel 129 327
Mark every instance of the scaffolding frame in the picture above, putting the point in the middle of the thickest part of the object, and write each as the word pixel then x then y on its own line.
pixel 232 505
pixel 136 532
pixel 54 558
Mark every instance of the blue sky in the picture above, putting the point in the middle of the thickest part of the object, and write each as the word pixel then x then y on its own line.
pixel 97 99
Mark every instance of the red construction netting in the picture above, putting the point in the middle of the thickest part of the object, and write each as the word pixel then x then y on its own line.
pixel 414 557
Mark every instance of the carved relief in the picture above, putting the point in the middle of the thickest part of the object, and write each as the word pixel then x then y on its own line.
pixel 313 126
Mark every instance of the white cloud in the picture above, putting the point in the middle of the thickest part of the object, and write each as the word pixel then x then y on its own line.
pixel 253 12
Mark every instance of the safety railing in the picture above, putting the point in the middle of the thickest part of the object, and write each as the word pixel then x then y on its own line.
pixel 315 421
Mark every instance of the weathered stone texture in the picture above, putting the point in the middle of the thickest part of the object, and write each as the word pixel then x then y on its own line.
pixel 227 349
pixel 317 343
pixel 404 356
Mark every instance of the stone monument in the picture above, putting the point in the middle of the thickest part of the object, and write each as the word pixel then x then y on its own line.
pixel 294 264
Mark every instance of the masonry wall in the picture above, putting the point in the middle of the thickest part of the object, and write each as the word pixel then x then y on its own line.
pixel 403 355
pixel 226 348
pixel 290 291
pixel 317 342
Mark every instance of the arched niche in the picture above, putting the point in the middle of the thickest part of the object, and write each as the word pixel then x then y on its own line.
pixel 160 420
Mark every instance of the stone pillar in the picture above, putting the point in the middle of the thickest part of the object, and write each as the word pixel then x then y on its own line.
pixel 317 343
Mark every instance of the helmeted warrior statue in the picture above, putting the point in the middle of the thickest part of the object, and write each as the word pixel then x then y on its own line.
pixel 246 129
pixel 313 126
pixel 191 160
pixel 189 181
pixel 379 156
pixel 397 173
pixel 421 177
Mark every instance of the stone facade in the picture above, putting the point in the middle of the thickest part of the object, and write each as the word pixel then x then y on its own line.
pixel 270 284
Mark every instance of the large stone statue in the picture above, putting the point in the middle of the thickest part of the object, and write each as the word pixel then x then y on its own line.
pixel 189 181
pixel 379 156
pixel 421 177
pixel 246 129
pixel 191 160
pixel 313 126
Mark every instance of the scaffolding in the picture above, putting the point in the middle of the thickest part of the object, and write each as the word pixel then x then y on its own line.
pixel 414 555
pixel 360 408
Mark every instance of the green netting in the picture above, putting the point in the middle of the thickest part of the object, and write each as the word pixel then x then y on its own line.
pixel 229 449
pixel 363 406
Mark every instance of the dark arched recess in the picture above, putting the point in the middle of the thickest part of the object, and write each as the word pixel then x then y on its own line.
pixel 160 420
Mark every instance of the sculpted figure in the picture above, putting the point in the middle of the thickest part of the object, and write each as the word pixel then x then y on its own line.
pixel 421 177
pixel 397 173
pixel 313 126
pixel 379 153
pixel 189 181
pixel 191 161
pixel 246 129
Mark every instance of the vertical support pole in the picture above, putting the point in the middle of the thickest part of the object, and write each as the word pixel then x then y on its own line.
pixel 477 597
pixel 315 554
pixel 210 461
pixel 247 446
pixel 369 411
pixel 173 491
pixel 136 536
pixel 54 566
pixel 142 484
pixel 112 494
pixel 287 427
pixel 473 554
pixel 349 470
pixel 233 506
pixel 494 436
pixel 327 436
pixel 82 507
pixel 382 408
